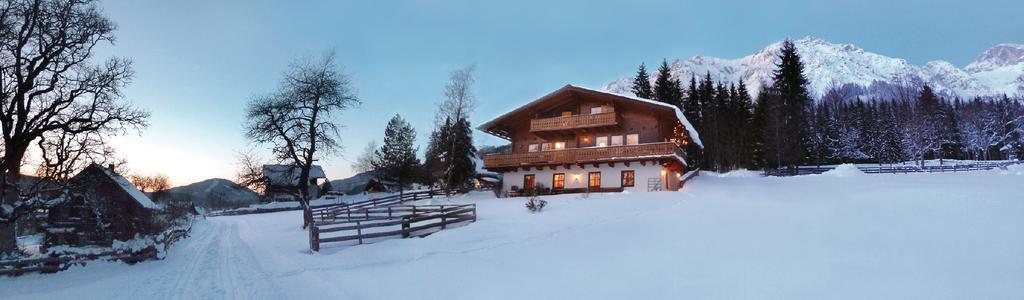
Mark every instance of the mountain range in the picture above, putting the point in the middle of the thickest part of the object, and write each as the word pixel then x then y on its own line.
pixel 213 193
pixel 849 68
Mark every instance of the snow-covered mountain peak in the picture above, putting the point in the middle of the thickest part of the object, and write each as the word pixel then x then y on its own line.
pixel 996 57
pixel 828 65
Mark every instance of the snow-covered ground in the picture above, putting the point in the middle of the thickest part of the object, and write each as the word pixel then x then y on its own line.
pixel 837 235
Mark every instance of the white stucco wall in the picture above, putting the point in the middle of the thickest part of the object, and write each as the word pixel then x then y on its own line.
pixel 575 177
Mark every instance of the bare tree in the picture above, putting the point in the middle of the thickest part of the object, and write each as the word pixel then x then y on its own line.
pixel 460 100
pixel 151 183
pixel 250 171
pixel 364 163
pixel 298 120
pixel 49 88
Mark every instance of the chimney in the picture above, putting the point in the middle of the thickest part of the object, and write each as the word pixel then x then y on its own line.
pixel 110 167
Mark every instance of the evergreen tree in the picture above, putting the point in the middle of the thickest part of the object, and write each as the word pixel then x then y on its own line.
pixel 462 168
pixel 757 132
pixel 743 107
pixel 397 159
pixel 890 144
pixel 921 135
pixel 642 84
pixel 434 165
pixel 791 86
pixel 692 112
pixel 665 89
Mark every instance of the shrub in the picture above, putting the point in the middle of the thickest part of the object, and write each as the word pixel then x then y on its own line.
pixel 535 204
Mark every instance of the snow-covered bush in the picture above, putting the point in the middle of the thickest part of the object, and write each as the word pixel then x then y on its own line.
pixel 535 204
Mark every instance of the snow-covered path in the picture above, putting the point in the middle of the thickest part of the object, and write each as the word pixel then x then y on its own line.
pixel 844 236
pixel 213 263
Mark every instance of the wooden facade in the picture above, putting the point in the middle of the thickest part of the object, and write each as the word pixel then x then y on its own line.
pixel 580 127
pixel 100 209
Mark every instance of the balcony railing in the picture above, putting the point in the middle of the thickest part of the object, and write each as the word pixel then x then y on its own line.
pixel 583 155
pixel 574 122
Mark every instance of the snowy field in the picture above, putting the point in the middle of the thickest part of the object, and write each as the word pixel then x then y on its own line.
pixel 841 235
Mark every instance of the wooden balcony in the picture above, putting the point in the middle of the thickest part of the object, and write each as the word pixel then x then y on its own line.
pixel 584 155
pixel 574 122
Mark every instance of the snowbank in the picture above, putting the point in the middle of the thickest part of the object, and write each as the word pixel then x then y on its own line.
pixel 917 236
pixel 1015 169
pixel 742 173
pixel 844 170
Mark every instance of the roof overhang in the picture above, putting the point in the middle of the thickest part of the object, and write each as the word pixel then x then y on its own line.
pixel 498 126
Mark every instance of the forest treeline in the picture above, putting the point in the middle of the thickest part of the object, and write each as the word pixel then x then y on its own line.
pixel 783 126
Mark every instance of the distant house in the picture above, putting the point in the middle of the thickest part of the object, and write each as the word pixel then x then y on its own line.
pixel 282 182
pixel 101 207
pixel 578 139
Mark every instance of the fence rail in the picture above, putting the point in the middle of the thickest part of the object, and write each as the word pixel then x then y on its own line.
pixel 897 169
pixel 367 223
pixel 318 212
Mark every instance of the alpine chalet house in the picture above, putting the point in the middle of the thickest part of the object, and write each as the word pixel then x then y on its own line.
pixel 282 182
pixel 578 140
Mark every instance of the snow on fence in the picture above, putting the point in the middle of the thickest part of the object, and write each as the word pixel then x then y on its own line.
pixel 62 261
pixel 896 169
pixel 368 223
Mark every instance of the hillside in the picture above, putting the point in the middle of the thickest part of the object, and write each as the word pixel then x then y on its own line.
pixel 997 71
pixel 213 193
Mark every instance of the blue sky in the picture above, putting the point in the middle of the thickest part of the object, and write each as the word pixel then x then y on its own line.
pixel 198 62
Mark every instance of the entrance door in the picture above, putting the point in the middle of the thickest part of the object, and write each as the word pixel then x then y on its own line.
pixel 528 182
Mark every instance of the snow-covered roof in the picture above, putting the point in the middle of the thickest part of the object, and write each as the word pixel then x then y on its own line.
pixel 678 113
pixel 289 174
pixel 129 188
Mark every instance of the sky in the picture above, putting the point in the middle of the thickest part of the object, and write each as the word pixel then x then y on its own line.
pixel 197 63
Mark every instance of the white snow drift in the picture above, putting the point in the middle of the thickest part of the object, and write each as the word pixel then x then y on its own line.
pixel 916 236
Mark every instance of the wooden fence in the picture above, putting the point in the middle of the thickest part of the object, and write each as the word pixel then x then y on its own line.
pixel 60 262
pixel 360 225
pixel 897 169
pixel 318 212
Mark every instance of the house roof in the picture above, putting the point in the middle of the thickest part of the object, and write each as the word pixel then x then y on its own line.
pixel 124 184
pixel 288 175
pixel 490 126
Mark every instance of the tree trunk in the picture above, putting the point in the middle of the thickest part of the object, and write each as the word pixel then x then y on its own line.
pixel 12 175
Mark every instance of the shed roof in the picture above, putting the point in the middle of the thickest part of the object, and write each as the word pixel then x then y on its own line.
pixel 288 175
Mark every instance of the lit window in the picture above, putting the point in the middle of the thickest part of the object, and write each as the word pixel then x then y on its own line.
pixel 559 145
pixel 545 147
pixel 602 141
pixel 533 148
pixel 558 181
pixel 596 110
pixel 632 139
pixel 627 178
pixel 566 113
pixel 616 140
pixel 595 180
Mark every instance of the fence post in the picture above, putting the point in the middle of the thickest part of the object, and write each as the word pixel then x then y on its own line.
pixel 359 232
pixel 314 238
pixel 405 227
pixel 443 213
